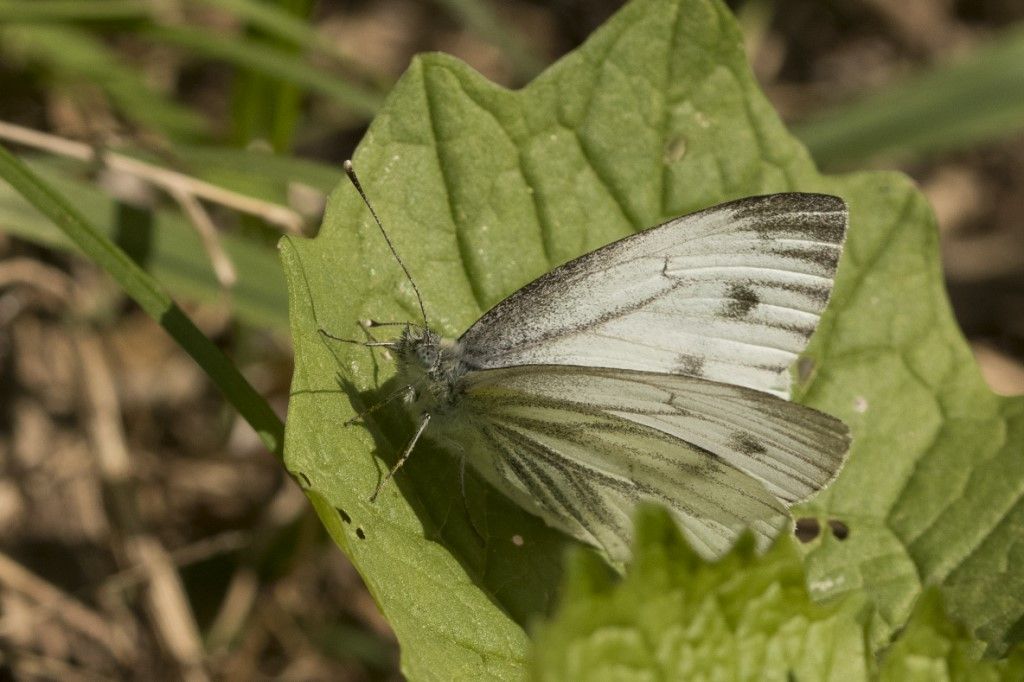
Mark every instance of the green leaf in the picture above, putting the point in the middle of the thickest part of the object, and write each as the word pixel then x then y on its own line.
pixel 932 648
pixel 483 189
pixel 678 617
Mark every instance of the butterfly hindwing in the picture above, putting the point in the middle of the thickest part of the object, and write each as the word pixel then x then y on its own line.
pixel 730 294
pixel 582 446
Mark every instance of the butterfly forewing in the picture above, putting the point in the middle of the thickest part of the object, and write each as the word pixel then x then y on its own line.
pixel 729 294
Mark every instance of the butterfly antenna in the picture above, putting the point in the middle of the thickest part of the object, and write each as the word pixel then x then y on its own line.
pixel 350 171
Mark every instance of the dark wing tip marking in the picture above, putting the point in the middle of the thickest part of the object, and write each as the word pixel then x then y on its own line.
pixel 791 202
pixel 821 217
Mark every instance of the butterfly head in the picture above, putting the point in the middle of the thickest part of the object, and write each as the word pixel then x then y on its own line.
pixel 430 364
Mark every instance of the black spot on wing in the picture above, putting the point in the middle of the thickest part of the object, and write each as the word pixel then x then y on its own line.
pixel 743 300
pixel 690 365
pixel 747 444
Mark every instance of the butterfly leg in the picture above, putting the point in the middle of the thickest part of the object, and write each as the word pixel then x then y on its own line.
pixel 384 344
pixel 368 324
pixel 405 455
pixel 404 391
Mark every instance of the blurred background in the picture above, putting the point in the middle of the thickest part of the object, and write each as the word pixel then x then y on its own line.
pixel 144 530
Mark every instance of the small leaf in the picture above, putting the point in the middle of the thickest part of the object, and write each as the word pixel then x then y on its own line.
pixel 744 617
pixel 932 648
pixel 678 617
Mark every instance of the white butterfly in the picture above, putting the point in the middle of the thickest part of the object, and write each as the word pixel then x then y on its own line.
pixel 655 368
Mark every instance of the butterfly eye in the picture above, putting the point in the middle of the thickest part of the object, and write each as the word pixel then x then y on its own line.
pixel 427 355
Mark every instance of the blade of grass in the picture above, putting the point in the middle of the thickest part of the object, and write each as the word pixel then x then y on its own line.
pixel 145 290
pixel 285 27
pixel 286 98
pixel 265 107
pixel 478 16
pixel 286 115
pixel 72 10
pixel 248 94
pixel 175 258
pixel 255 56
pixel 978 99
pixel 70 55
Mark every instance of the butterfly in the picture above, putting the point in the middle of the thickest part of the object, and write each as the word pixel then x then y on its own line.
pixel 655 368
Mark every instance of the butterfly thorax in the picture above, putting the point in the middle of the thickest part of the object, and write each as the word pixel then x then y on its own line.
pixel 432 367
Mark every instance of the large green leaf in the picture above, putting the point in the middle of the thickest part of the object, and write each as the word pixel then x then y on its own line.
pixel 484 189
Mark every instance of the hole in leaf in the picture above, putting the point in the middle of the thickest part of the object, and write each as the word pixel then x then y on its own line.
pixel 360 534
pixel 839 529
pixel 344 517
pixel 807 529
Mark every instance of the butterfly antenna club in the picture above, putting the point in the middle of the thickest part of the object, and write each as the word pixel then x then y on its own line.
pixel 350 171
